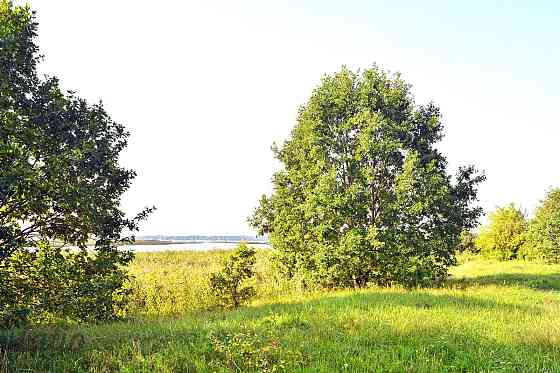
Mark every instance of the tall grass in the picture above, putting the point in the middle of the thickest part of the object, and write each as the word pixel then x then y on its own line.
pixel 490 317
pixel 175 282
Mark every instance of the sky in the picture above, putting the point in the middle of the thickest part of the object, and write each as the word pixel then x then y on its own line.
pixel 206 87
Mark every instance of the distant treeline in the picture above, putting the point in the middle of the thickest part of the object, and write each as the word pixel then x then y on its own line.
pixel 240 238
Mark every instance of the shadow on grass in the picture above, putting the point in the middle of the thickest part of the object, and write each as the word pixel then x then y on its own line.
pixel 550 282
pixel 359 328
pixel 365 322
pixel 329 305
pixel 386 300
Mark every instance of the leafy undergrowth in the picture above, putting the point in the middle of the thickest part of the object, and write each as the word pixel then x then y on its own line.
pixel 491 316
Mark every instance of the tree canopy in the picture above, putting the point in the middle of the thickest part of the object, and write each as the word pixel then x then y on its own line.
pixel 60 178
pixel 364 195
pixel 504 235
pixel 543 233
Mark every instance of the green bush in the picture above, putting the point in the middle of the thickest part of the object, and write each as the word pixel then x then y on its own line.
pixel 227 284
pixel 467 242
pixel 51 284
pixel 543 234
pixel 504 235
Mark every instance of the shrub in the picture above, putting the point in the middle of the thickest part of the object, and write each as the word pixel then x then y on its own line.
pixel 504 235
pixel 50 284
pixel 543 234
pixel 467 242
pixel 227 284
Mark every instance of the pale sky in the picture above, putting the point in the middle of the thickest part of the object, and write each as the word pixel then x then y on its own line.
pixel 205 87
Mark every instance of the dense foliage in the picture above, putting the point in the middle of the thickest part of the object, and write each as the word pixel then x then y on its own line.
pixel 504 235
pixel 543 233
pixel 227 285
pixel 59 180
pixel 50 285
pixel 364 195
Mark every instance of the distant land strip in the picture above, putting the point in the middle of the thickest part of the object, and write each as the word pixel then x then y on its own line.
pixel 167 240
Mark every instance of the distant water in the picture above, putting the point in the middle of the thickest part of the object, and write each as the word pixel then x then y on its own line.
pixel 194 246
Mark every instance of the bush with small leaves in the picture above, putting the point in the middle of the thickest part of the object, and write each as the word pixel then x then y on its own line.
pixel 227 284
pixel 51 284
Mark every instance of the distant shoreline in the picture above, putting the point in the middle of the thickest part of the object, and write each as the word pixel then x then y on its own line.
pixel 147 242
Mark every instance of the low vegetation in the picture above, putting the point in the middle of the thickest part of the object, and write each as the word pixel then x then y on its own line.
pixel 489 316
pixel 173 283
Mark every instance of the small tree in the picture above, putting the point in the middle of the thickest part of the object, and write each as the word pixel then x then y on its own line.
pixel 227 284
pixel 543 234
pixel 364 195
pixel 504 235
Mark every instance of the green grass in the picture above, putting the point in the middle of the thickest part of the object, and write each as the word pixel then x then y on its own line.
pixel 176 282
pixel 491 316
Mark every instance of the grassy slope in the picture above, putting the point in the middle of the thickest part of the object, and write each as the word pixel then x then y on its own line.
pixel 491 317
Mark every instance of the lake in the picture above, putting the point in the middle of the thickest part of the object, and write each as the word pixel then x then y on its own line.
pixel 194 246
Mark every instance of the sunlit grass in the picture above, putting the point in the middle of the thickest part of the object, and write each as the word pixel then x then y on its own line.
pixel 490 316
pixel 169 283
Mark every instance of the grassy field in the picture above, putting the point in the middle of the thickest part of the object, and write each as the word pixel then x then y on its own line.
pixel 491 316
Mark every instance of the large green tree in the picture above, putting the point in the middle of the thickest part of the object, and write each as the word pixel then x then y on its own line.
pixel 504 235
pixel 59 180
pixel 364 195
pixel 543 234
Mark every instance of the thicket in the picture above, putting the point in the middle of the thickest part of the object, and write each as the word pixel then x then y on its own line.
pixel 48 285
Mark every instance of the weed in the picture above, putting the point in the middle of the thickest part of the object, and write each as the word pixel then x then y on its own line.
pixel 251 352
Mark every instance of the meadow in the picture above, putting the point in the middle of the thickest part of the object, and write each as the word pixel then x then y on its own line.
pixel 490 316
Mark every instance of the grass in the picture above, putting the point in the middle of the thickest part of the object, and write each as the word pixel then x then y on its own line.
pixel 491 316
pixel 175 282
